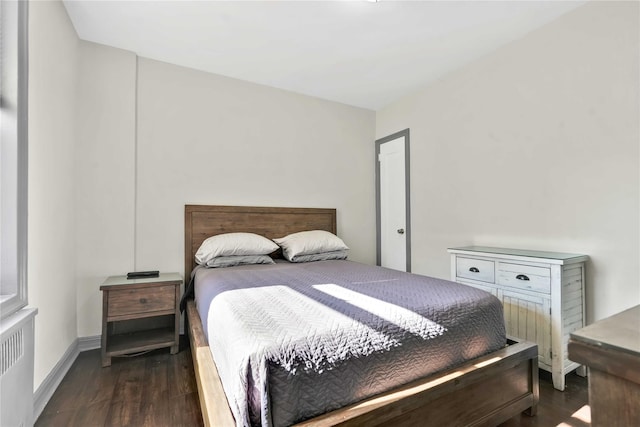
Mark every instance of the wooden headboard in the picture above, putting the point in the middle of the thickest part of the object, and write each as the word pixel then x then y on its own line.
pixel 201 222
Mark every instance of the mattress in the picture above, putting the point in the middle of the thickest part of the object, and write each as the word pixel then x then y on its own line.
pixel 292 341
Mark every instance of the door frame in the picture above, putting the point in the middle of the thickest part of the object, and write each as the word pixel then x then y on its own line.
pixel 407 229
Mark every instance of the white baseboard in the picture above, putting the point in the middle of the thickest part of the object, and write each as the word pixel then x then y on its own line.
pixel 44 392
pixel 89 343
pixel 52 381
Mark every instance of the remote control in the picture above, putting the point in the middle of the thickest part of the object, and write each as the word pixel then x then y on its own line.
pixel 142 274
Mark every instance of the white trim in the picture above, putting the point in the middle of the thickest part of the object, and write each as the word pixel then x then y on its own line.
pixel 89 343
pixel 407 184
pixel 46 389
pixel 44 393
pixel 15 268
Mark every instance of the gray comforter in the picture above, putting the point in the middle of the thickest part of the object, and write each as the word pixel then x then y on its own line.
pixel 292 341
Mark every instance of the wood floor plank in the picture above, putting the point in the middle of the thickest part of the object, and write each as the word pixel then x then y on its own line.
pixel 55 418
pixel 101 384
pixel 130 381
pixel 124 413
pixel 184 410
pixel 91 415
pixel 158 389
pixel 182 379
pixel 155 393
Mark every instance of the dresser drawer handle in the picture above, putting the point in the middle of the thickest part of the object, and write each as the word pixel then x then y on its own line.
pixel 522 277
pixel 144 300
pixel 474 270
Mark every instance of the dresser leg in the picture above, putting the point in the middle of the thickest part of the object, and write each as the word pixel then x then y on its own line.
pixel 174 349
pixel 581 371
pixel 558 380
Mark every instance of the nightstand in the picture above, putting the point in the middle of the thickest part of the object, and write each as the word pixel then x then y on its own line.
pixel 139 315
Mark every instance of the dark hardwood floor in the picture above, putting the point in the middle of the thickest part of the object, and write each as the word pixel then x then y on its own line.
pixel 568 408
pixel 158 389
pixel 154 389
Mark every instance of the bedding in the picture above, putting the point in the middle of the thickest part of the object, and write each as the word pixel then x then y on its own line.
pixel 311 242
pixel 292 341
pixel 234 244
pixel 324 256
pixel 233 260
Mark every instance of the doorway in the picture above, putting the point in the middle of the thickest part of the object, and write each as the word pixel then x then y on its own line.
pixel 393 221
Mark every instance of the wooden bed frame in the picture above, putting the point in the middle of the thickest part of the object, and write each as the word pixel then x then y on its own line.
pixel 485 391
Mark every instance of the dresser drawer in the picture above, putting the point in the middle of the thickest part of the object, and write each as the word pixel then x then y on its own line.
pixel 527 277
pixel 141 300
pixel 475 269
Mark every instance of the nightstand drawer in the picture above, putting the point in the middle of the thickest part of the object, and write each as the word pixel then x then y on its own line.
pixel 527 277
pixel 142 300
pixel 475 269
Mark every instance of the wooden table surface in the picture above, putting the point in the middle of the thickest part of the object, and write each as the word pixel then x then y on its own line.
pixel 611 350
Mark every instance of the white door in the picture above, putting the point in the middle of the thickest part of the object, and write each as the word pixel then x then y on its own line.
pixel 393 227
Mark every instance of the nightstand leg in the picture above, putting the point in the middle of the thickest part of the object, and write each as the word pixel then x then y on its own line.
pixel 174 349
pixel 106 361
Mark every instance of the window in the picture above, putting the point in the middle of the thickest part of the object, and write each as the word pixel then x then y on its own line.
pixel 13 156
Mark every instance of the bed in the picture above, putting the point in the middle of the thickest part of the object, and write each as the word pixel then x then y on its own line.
pixel 486 390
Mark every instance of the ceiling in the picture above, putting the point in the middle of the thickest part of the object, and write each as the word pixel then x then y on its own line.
pixel 361 53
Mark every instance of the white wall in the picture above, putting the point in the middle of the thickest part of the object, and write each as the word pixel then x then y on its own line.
pixel 105 174
pixel 535 146
pixel 119 145
pixel 53 47
pixel 209 139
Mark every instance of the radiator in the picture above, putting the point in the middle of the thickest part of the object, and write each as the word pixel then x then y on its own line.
pixel 16 369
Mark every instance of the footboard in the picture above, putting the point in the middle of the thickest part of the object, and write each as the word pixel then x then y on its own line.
pixel 485 391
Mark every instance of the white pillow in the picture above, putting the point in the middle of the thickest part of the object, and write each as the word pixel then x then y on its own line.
pixel 234 244
pixel 309 242
pixel 233 260
pixel 324 256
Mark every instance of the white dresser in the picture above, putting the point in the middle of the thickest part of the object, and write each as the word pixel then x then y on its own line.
pixel 542 294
